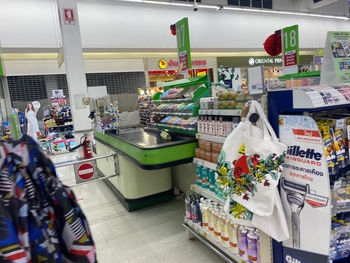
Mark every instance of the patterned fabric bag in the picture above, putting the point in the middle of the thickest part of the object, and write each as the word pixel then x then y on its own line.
pixel 249 168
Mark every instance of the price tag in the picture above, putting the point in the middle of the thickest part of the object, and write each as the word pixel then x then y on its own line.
pixel 212 112
pixel 205 234
pixel 340 124
pixel 193 188
pixel 198 136
pixel 337 185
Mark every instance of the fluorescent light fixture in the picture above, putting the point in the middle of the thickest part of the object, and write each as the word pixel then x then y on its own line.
pixel 252 10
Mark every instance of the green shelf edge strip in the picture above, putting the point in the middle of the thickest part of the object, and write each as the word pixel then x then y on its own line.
pixel 301 75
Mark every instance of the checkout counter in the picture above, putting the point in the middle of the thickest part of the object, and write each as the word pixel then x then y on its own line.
pixel 144 162
pixel 147 162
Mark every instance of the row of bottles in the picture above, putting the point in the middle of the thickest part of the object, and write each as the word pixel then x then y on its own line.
pixel 241 240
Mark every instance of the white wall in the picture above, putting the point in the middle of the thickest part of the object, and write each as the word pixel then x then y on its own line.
pixel 108 24
pixel 49 66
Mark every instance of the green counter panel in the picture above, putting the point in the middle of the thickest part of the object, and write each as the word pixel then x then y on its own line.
pixel 150 156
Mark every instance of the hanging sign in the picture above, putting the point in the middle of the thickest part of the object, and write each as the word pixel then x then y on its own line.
pixel 290 49
pixel 183 44
pixel 336 61
pixel 305 186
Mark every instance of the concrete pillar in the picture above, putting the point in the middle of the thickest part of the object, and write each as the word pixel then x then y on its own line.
pixel 74 63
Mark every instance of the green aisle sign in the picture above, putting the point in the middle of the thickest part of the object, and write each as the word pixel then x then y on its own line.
pixel 183 43
pixel 290 49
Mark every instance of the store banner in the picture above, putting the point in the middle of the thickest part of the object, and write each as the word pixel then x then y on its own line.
pixel 183 44
pixel 336 61
pixel 290 49
pixel 305 186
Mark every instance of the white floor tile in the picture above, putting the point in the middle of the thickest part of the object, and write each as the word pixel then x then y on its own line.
pixel 150 235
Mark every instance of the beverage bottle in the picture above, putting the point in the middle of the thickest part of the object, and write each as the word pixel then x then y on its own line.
pixel 198 174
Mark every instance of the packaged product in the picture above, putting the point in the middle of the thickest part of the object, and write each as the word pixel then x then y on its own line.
pixel 214 157
pixel 207 156
pixel 207 146
pixel 201 144
pixel 216 147
pixel 202 154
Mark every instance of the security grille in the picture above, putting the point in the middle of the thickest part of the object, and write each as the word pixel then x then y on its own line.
pixel 252 3
pixel 122 86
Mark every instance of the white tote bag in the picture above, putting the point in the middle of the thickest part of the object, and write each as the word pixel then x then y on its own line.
pixel 249 168
pixel 251 160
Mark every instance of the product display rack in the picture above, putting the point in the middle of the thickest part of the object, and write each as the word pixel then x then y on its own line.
pixel 204 163
pixel 203 90
pixel 225 253
pixel 293 108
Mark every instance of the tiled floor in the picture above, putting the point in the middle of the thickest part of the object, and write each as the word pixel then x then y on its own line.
pixel 149 235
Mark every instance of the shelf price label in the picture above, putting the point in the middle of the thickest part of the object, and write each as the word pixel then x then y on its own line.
pixel 1 71
pixel 183 44
pixel 290 49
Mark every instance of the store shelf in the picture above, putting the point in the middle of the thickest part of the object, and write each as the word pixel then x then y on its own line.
pixel 174 113
pixel 210 138
pixel 221 112
pixel 205 192
pixel 60 126
pixel 172 100
pixel 225 253
pixel 204 163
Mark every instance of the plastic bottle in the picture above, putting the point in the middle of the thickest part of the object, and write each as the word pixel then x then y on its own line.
pixel 233 237
pixel 224 230
pixel 243 243
pixel 228 125
pixel 221 127
pixel 210 125
pixel 204 211
pixel 205 126
pixel 210 219
pixel 217 228
pixel 194 211
pixel 252 251
pixel 188 208
pixel 205 177
pixel 258 247
pixel 198 174
pixel 212 180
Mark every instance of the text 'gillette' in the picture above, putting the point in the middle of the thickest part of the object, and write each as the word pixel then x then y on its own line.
pixel 309 153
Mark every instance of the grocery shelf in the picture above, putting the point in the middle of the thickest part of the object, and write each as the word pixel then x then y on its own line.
pixel 210 138
pixel 205 192
pixel 225 253
pixel 172 100
pixel 174 113
pixel 204 163
pixel 197 231
pixel 221 112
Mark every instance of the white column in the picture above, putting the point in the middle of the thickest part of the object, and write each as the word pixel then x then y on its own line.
pixel 74 63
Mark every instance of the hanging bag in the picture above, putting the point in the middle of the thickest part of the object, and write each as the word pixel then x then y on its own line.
pixel 249 169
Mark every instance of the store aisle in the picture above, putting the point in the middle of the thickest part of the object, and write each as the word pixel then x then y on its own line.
pixel 151 235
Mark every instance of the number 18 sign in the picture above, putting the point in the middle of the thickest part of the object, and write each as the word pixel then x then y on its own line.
pixel 183 44
pixel 290 49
